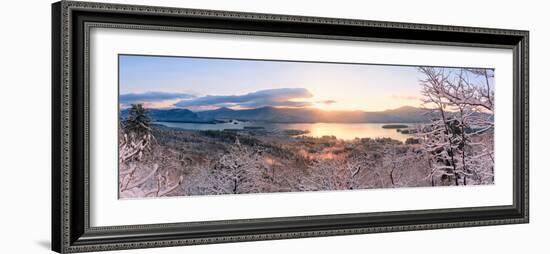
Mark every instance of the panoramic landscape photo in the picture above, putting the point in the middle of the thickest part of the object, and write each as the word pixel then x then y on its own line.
pixel 210 126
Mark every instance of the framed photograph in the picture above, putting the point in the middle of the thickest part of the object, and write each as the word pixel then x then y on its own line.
pixel 181 126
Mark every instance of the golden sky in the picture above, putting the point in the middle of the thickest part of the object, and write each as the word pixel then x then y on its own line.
pixel 207 83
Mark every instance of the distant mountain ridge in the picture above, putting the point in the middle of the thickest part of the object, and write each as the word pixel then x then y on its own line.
pixel 170 115
pixel 405 114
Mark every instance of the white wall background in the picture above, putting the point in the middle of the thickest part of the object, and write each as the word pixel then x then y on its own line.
pixel 25 126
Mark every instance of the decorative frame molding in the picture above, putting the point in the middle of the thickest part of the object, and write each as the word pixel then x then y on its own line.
pixel 71 22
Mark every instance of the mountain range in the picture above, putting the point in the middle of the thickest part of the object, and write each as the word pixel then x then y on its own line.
pixel 406 114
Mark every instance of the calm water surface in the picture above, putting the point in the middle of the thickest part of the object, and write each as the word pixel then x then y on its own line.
pixel 345 131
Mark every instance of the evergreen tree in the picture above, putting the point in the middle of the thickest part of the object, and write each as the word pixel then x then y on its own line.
pixel 138 121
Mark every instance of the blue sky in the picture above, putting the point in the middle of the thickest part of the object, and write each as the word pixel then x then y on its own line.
pixel 206 83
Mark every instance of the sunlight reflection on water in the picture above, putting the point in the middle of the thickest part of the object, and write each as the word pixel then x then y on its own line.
pixel 346 131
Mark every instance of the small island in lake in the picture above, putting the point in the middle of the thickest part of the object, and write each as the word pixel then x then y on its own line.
pixel 395 126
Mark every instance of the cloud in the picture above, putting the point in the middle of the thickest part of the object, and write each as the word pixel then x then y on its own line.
pixel 150 97
pixel 282 97
pixel 327 102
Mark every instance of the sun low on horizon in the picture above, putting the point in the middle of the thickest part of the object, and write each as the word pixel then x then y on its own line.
pixel 200 84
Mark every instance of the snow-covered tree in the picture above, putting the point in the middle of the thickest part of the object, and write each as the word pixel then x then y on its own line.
pixel 135 134
pixel 345 173
pixel 458 138
pixel 240 170
pixel 139 177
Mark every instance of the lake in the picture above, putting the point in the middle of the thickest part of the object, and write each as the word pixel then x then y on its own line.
pixel 346 131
